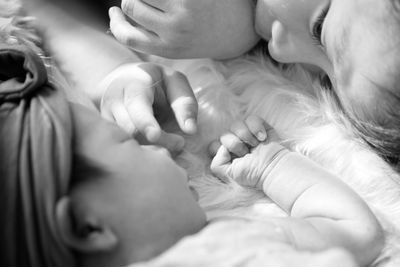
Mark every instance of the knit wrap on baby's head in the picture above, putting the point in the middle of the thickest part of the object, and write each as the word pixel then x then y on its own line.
pixel 35 160
pixel 22 72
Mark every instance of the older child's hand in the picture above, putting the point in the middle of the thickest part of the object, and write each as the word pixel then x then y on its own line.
pixel 133 90
pixel 186 28
pixel 246 152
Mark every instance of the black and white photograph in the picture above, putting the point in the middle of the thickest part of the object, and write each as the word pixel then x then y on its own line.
pixel 199 133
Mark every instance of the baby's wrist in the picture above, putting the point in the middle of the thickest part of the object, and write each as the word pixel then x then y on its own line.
pixel 277 152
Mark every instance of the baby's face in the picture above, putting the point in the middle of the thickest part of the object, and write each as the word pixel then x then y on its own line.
pixel 352 41
pixel 141 193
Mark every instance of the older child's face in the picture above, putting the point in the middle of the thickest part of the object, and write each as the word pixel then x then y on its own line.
pixel 140 193
pixel 290 26
pixel 350 40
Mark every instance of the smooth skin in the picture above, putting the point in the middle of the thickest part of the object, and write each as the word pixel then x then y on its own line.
pixel 132 90
pixel 352 41
pixel 186 28
pixel 128 202
pixel 96 63
pixel 354 45
pixel 324 211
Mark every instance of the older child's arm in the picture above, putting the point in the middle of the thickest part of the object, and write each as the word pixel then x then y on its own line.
pixel 325 212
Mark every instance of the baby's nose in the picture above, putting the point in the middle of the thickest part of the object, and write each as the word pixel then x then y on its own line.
pixel 159 149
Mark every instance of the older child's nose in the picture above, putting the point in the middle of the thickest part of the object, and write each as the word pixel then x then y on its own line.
pixel 282 44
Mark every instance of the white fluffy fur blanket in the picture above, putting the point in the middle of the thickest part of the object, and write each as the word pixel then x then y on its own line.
pixel 307 118
pixel 309 122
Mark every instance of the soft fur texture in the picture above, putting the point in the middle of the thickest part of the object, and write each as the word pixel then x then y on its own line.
pixel 309 121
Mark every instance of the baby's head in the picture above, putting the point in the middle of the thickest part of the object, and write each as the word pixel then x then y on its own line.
pixel 127 202
pixel 356 44
pixel 75 189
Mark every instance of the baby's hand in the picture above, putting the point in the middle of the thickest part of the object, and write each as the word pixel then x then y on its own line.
pixel 247 141
pixel 132 91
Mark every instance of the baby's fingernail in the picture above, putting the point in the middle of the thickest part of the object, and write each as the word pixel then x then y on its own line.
pixel 152 134
pixel 190 126
pixel 261 136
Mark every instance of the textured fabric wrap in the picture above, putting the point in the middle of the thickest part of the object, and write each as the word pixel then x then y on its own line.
pixel 35 156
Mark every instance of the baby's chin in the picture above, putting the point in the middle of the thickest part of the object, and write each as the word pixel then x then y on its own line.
pixel 194 165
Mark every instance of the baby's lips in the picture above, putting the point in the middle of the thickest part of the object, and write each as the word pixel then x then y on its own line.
pixel 194 193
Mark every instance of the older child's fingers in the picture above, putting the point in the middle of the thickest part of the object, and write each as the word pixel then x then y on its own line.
pixel 162 5
pixel 126 33
pixel 234 145
pixel 122 118
pixel 144 14
pixel 240 129
pixel 213 147
pixel 257 127
pixel 220 163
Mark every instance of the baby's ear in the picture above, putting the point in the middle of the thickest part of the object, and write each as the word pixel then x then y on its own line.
pixel 81 231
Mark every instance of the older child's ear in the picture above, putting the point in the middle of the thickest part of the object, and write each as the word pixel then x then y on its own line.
pixel 81 231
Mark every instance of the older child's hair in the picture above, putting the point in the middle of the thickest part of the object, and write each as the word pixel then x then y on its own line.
pixel 385 140
pixel 382 131
pixel 384 135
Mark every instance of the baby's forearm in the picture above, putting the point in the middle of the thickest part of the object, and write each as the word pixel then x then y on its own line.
pixel 331 213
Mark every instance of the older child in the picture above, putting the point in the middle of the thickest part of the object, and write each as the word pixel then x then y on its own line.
pixel 352 42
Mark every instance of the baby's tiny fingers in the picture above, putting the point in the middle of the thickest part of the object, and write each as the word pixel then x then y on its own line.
pixel 240 129
pixel 234 145
pixel 220 163
pixel 257 127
